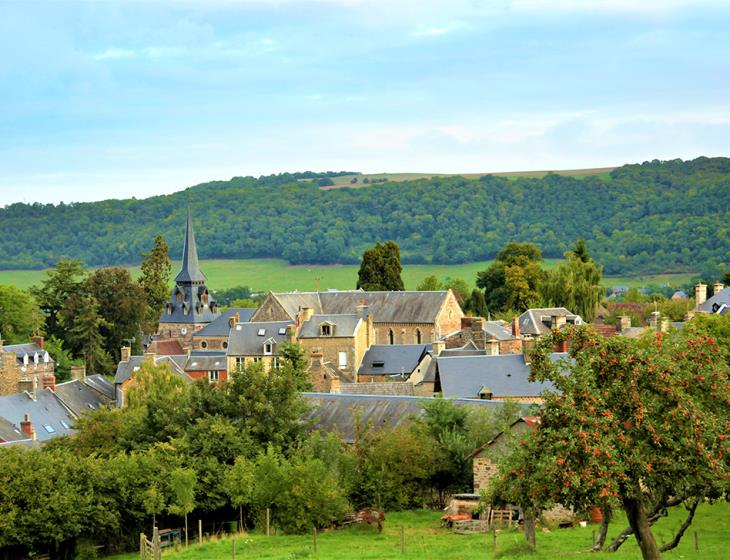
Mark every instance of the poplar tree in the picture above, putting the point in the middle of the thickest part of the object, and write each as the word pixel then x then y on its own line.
pixel 155 281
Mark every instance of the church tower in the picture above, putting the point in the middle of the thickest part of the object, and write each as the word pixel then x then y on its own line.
pixel 191 306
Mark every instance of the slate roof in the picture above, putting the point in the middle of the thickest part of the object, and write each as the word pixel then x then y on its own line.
pixel 29 348
pixel 9 432
pixel 81 395
pixel 344 326
pixel 385 388
pixel 220 327
pixel 247 339
pixel 332 412
pixel 396 359
pixel 716 302
pixel 385 307
pixel 190 270
pixel 497 330
pixel 49 416
pixel 505 376
pixel 537 321
pixel 200 360
pixel 126 369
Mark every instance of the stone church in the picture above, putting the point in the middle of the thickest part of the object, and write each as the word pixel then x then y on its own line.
pixel 191 306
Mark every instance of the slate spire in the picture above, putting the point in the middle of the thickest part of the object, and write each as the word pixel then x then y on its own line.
pixel 190 271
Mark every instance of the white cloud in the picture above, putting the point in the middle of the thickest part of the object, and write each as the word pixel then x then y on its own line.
pixel 114 53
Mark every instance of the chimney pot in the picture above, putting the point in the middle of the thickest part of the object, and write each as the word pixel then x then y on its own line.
pixel 26 426
pixel 126 353
pixel 700 294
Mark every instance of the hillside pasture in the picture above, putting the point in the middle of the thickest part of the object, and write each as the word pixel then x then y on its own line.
pixel 278 275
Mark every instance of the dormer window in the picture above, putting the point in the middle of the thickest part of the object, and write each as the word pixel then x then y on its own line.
pixel 325 329
pixel 268 349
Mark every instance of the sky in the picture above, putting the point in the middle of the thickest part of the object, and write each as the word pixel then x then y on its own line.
pixel 119 99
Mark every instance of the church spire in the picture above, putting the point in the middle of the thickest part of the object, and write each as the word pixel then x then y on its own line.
pixel 190 271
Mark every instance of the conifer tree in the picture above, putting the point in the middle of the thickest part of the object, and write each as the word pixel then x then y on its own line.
pixel 380 269
pixel 83 324
pixel 155 281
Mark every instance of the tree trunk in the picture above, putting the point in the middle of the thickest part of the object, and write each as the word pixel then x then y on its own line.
pixel 687 522
pixel 653 517
pixel 186 530
pixel 530 523
pixel 240 519
pixel 641 528
pixel 603 531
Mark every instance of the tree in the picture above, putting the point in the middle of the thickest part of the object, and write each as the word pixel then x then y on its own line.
pixel 155 281
pixel 380 269
pixel 62 358
pixel 83 323
pixel 575 284
pixel 429 284
pixel 61 283
pixel 638 423
pixel 20 316
pixel 182 486
pixel 476 304
pixel 513 280
pixel 238 483
pixel 122 305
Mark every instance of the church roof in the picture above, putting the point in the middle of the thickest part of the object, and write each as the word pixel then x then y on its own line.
pixel 190 271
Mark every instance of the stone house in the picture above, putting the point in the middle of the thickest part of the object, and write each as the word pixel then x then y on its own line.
pixel 386 363
pixel 129 365
pixel 211 365
pixel 214 336
pixel 719 303
pixel 494 337
pixel 24 367
pixel 407 317
pixel 251 343
pixel 191 306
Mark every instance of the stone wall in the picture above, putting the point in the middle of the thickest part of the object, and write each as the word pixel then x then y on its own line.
pixel 405 333
pixel 211 343
pixel 9 373
pixel 484 471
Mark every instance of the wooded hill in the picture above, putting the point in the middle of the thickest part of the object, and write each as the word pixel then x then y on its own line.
pixel 653 217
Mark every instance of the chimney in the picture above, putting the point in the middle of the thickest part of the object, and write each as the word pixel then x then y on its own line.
pixel 49 382
pixel 665 324
pixel 26 426
pixel 126 353
pixel 34 393
pixel 362 310
pixel 654 320
pixel 291 332
pixel 624 322
pixel 39 341
pixel 233 319
pixel 335 386
pixel 477 324
pixel 700 293
pixel 438 346
pixel 516 327
pixel 562 347
pixel 149 357
pixel 557 322
pixel 465 322
pixel 305 314
pixel 492 347
pixel 78 372
pixel 717 287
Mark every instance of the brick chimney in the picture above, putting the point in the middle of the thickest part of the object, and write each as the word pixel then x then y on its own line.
pixel 233 320
pixel 562 347
pixel 39 341
pixel 126 353
pixel 149 357
pixel 48 381
pixel 717 287
pixel 624 322
pixel 26 426
pixel 700 294
pixel 516 327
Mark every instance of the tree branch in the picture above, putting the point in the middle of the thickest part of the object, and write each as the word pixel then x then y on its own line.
pixel 653 516
pixel 680 533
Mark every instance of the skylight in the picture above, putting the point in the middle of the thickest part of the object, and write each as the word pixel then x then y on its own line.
pixel 262 332
pixel 49 428
pixel 282 330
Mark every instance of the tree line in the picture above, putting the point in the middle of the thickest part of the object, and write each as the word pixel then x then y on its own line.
pixel 653 217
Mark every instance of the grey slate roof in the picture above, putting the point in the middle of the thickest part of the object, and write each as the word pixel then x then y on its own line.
pixel 337 412
pixel 29 348
pixel 497 330
pixel 469 349
pixel 10 432
pixel 244 339
pixel 343 326
pixel 505 376
pixel 219 327
pixel 397 359
pixel 190 270
pixel 537 321
pixel 716 302
pixel 85 394
pixel 49 416
pixel 200 360
pixel 385 307
pixel 126 369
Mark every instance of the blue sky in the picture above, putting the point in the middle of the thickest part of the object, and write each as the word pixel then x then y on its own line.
pixel 118 99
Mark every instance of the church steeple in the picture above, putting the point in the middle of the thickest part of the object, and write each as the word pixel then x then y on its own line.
pixel 190 271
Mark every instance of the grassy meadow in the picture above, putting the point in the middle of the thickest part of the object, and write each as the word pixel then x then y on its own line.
pixel 425 539
pixel 278 275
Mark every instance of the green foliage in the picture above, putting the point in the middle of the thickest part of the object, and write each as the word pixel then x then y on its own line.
pixel 575 284
pixel 83 323
pixel 229 297
pixel 61 283
pixel 514 279
pixel 155 281
pixel 62 358
pixel 20 316
pixel 380 269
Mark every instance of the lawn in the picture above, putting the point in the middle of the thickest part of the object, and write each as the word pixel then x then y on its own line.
pixel 424 539
pixel 278 275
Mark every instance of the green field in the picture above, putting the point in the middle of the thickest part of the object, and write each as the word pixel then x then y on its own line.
pixel 277 275
pixel 344 180
pixel 424 538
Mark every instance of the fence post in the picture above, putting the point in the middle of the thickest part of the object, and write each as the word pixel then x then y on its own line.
pixel 200 531
pixel 141 546
pixel 156 549
pixel 402 540
pixel 268 521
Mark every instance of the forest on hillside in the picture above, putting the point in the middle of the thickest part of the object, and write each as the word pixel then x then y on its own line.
pixel 650 217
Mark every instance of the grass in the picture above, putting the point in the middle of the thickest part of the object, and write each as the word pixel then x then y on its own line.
pixel 424 539
pixel 344 180
pixel 278 275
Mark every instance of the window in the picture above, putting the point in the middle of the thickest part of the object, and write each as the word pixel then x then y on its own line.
pixel 49 428
pixel 213 376
pixel 240 362
pixel 282 330
pixel 268 348
pixel 325 330
pixel 391 338
pixel 204 344
pixel 342 360
pixel 261 332
pixel 65 426
pixel 378 364
pixel 277 363
pixel 257 360
pixel 225 344
pixel 418 336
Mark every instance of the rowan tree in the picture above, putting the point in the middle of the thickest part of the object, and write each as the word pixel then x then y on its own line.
pixel 638 423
